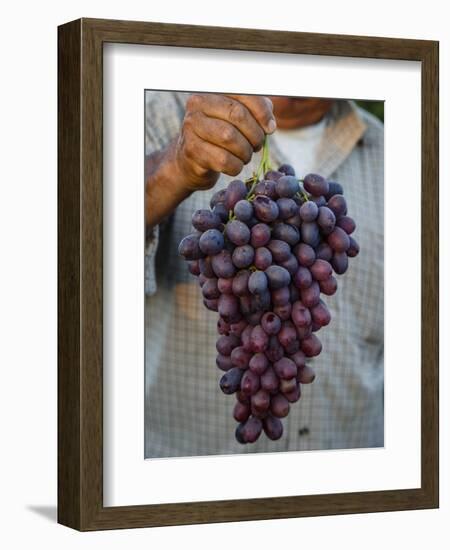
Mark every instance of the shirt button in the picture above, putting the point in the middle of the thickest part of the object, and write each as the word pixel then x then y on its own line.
pixel 303 431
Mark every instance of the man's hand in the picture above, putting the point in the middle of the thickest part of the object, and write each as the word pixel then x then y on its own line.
pixel 219 134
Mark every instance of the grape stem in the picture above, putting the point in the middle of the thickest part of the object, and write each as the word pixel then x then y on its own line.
pixel 263 167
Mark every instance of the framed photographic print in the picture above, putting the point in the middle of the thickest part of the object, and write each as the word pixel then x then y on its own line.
pixel 248 274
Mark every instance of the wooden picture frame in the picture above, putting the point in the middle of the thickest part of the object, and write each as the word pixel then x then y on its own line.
pixel 80 271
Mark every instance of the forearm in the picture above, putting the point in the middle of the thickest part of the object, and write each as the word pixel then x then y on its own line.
pixel 164 187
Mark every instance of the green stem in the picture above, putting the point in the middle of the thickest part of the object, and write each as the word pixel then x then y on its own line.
pixel 263 167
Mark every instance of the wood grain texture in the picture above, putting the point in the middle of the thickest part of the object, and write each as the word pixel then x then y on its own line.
pixel 80 264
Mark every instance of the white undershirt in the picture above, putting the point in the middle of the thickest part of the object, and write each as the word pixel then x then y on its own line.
pixel 300 146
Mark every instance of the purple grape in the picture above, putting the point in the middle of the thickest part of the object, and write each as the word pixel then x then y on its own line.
pixel 260 235
pixel 292 348
pixel 265 187
pixel 294 220
pixel 294 395
pixel 266 210
pixel 271 323
pixel 294 294
pixel 287 169
pixel 211 242
pixel 302 277
pixel 225 285
pixel 275 350
pixel 353 249
pixel 308 211
pixel 246 338
pixel 224 362
pixel 243 210
pixel 339 262
pixel 320 201
pixel 240 283
pixel 210 289
pixel 287 386
pixel 279 406
pixel 291 264
pixel 339 240
pixel 321 270
pixel 228 306
pixel 324 252
pixel 329 286
pixel 223 327
pixel 287 334
pixel 202 279
pixel 320 314
pixel 347 224
pixel 243 256
pixel 316 185
pixel 277 276
pixel 241 411
pixel 305 254
pixel 287 186
pixel 237 328
pixel 257 283
pixel 245 304
pixel 260 401
pixel 240 358
pixel 235 192
pixel 287 208
pixel 285 368
pixel 259 340
pixel 226 344
pixel 261 303
pixel 279 249
pixel 280 296
pixel 252 429
pixel 258 363
pixel 239 434
pixel 301 315
pixel 237 232
pixel 273 175
pixel 250 383
pixel 285 232
pixel 221 210
pixel 283 311
pixel 194 267
pixel 189 247
pixel 273 428
pixel 203 220
pixel 311 346
pixel 263 258
pixel 338 205
pixel 326 220
pixel 205 265
pixel 222 265
pixel 212 305
pixel 306 375
pixel 217 198
pixel 299 359
pixel 310 296
pixel 310 233
pixel 231 380
pixel 269 380
pixel 304 332
pixel 334 189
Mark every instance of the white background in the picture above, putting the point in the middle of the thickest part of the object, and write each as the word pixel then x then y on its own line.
pixel 28 275
pixel 128 69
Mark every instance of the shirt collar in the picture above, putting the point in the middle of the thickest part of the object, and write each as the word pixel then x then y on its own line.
pixel 344 128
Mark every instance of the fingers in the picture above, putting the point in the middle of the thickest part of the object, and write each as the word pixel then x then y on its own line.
pixel 261 108
pixel 220 133
pixel 229 110
pixel 205 157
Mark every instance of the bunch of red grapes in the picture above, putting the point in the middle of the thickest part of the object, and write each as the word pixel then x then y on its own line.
pixel 263 254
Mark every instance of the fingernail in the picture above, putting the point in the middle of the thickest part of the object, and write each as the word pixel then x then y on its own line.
pixel 271 126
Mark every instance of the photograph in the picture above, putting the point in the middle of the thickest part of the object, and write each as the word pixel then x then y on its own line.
pixel 264 274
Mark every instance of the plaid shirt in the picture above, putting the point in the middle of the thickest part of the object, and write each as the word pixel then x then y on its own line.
pixel 186 414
